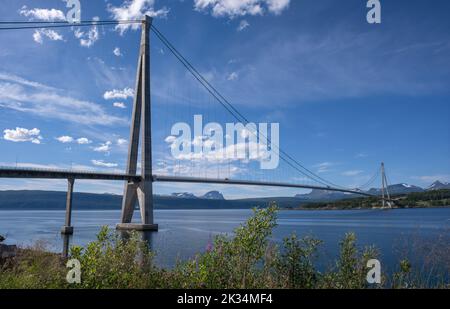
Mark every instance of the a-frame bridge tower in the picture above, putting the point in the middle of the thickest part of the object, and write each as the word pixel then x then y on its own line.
pixel 142 191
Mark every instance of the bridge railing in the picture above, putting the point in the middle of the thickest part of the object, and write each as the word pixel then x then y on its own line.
pixel 79 171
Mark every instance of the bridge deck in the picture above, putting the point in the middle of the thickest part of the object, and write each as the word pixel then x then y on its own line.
pixel 63 174
pixel 250 183
pixel 66 174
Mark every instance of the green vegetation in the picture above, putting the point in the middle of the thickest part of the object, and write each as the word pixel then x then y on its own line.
pixel 248 260
pixel 436 198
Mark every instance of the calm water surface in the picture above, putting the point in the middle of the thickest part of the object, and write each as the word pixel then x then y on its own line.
pixel 183 233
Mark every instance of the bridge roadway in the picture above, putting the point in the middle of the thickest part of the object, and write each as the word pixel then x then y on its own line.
pixel 11 172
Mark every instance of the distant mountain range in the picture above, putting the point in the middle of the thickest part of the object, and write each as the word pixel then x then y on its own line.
pixel 324 195
pixel 14 200
pixel 401 188
pixel 211 195
pixel 50 200
pixel 437 185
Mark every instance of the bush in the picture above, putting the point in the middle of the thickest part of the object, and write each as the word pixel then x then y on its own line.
pixel 350 271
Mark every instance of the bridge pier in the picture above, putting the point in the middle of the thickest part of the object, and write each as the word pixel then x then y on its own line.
pixel 67 229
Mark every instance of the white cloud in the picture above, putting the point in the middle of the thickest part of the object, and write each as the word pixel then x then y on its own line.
pixel 87 39
pixel 233 76
pixel 38 35
pixel 277 6
pixel 234 8
pixel 83 141
pixel 23 135
pixel 361 155
pixel 69 139
pixel 119 105
pixel 31 97
pixel 117 52
pixel 250 151
pixel 43 14
pixel 352 173
pixel 135 10
pixel 197 168
pixel 65 139
pixel 119 94
pixel 105 147
pixel 428 179
pixel 242 25
pixel 122 142
pixel 103 164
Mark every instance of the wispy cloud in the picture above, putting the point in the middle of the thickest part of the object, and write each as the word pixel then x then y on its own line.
pixel 352 173
pixel 323 167
pixel 103 163
pixel 361 155
pixel 104 147
pixel 197 168
pixel 233 76
pixel 38 35
pixel 313 68
pixel 428 179
pixel 31 97
pixel 242 25
pixel 87 39
pixel 107 77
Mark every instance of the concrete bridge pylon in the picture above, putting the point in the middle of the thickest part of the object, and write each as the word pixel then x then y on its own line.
pixel 140 191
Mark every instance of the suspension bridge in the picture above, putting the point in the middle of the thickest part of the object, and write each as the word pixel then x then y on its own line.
pixel 138 187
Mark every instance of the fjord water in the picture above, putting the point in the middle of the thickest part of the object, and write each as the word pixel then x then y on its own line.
pixel 183 233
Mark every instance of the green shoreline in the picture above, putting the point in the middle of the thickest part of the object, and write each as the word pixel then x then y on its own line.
pixel 428 199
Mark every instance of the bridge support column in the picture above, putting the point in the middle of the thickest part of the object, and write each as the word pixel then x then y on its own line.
pixel 142 191
pixel 67 229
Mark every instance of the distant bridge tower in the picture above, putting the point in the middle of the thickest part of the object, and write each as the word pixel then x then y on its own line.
pixel 141 191
pixel 385 189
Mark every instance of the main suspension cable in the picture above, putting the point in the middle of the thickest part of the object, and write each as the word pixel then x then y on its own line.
pixel 44 25
pixel 233 111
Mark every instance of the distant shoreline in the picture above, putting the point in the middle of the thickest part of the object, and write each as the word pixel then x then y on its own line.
pixel 54 200
pixel 280 208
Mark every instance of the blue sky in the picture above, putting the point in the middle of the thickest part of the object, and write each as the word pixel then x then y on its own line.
pixel 347 94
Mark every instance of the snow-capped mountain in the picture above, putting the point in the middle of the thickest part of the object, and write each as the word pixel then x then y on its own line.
pixel 213 195
pixel 437 185
pixel 400 188
pixel 184 195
